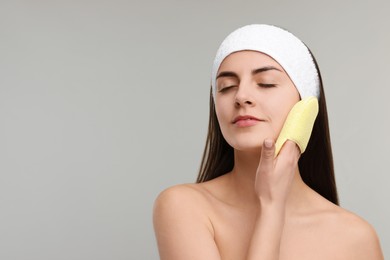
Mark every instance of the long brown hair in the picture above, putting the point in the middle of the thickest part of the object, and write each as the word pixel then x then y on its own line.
pixel 315 165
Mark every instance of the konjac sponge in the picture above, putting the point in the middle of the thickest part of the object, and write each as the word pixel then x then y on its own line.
pixel 299 124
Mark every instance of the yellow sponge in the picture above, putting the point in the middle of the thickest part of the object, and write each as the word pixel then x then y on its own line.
pixel 299 124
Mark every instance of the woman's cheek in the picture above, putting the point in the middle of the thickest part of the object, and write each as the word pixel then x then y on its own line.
pixel 277 121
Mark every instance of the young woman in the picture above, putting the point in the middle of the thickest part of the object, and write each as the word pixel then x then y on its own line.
pixel 248 204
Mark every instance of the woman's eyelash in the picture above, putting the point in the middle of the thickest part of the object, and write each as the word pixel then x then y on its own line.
pixel 263 85
pixel 266 85
pixel 226 88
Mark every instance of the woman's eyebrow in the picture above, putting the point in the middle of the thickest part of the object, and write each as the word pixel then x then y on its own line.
pixel 266 68
pixel 255 71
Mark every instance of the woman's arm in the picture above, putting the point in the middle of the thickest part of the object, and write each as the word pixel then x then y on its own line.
pixel 273 182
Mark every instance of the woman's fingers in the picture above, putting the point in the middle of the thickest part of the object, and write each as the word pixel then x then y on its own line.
pixel 267 156
pixel 275 175
pixel 289 153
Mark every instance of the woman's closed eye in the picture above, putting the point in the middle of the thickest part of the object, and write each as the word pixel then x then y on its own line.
pixel 264 85
pixel 226 88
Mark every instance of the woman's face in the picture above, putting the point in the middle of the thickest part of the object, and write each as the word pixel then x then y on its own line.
pixel 252 85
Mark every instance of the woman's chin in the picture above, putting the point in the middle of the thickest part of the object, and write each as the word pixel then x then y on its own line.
pixel 248 145
pixel 249 142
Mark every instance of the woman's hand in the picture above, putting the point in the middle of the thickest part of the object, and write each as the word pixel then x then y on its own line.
pixel 274 175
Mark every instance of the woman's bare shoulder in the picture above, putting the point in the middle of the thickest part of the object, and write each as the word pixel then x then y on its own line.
pixel 350 221
pixel 193 193
pixel 353 233
pixel 180 193
pixel 187 189
pixel 182 199
pixel 181 221
pixel 362 235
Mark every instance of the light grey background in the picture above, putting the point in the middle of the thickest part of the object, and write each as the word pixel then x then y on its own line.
pixel 103 104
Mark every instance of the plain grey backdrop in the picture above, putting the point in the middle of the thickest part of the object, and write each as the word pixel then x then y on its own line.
pixel 103 104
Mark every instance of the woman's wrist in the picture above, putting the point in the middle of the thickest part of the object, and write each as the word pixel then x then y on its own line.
pixel 275 211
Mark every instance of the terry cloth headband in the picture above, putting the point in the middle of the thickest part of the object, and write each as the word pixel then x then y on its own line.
pixel 284 47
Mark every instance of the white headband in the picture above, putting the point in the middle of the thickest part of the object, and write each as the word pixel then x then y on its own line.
pixel 290 52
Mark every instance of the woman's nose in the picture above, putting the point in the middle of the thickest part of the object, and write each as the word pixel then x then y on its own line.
pixel 244 96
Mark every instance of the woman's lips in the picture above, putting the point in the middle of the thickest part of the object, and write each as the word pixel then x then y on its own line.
pixel 245 120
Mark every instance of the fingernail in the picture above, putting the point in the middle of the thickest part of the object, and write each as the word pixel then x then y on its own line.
pixel 268 143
